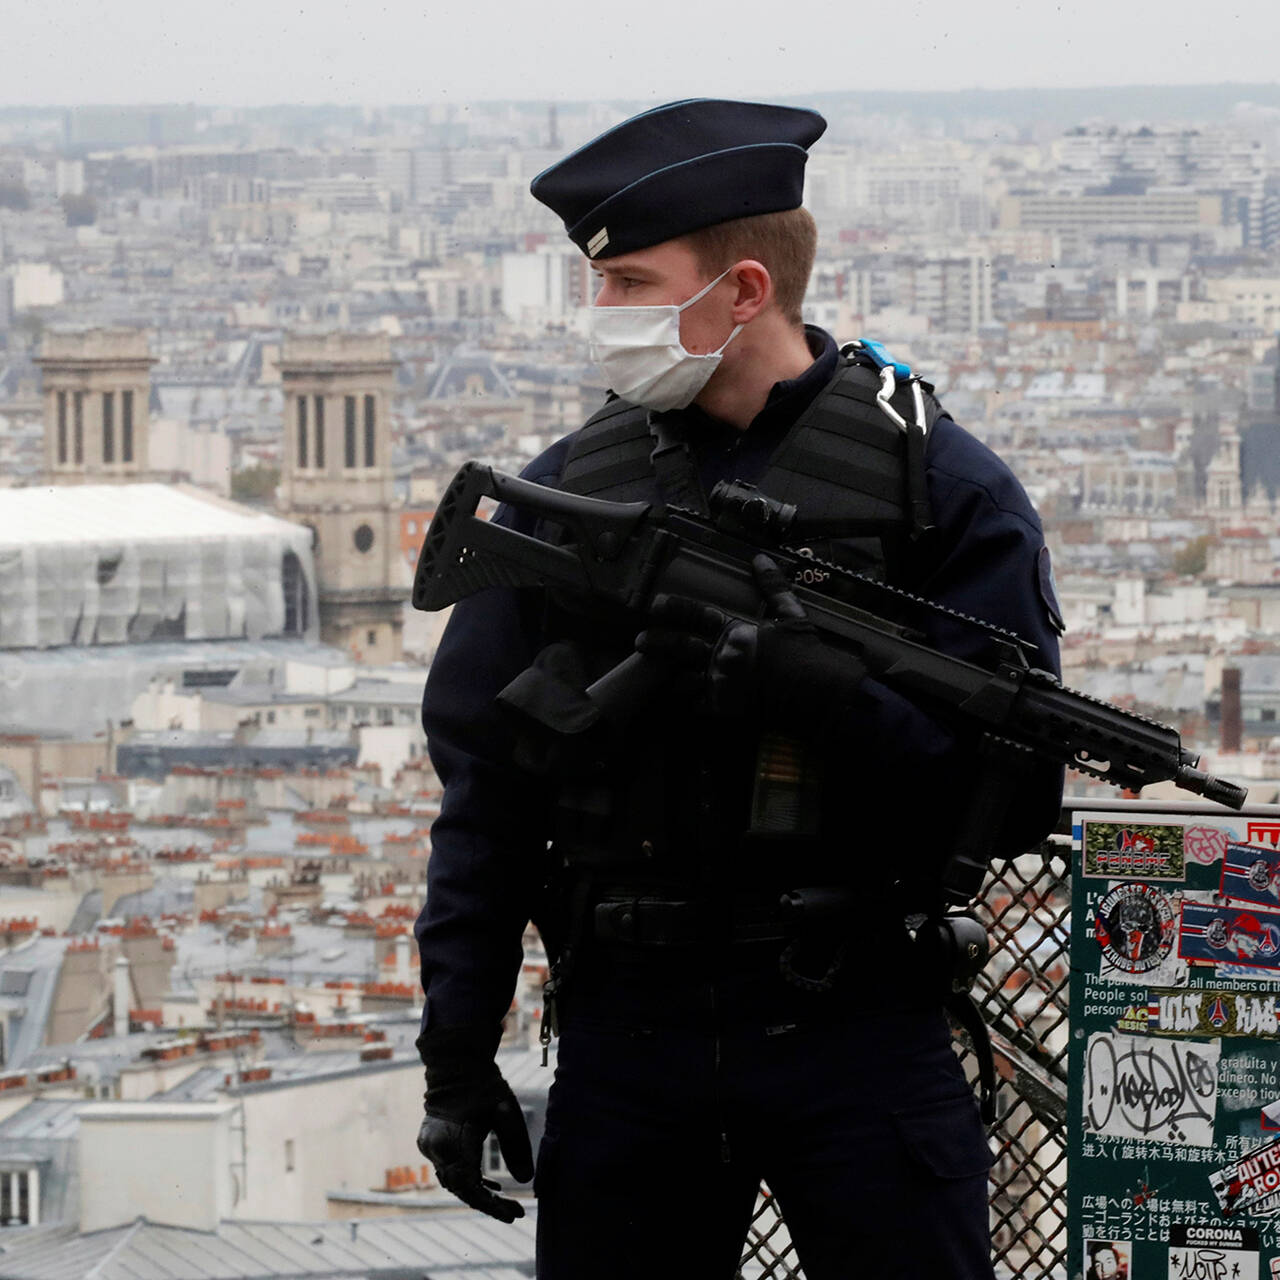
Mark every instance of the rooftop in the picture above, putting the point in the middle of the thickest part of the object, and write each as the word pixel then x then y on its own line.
pixel 96 513
pixel 436 1246
pixel 28 979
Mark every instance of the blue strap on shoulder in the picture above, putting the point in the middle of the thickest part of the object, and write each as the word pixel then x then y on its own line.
pixel 883 359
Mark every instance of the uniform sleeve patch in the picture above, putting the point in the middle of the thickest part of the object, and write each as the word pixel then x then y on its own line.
pixel 1049 591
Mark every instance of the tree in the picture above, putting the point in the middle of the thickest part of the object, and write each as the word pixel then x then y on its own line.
pixel 1191 559
pixel 80 211
pixel 255 485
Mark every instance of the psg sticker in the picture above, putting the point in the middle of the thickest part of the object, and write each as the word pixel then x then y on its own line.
pixel 1135 927
pixel 1252 873
pixel 1228 935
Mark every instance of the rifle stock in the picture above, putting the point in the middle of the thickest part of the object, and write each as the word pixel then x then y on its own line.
pixel 626 554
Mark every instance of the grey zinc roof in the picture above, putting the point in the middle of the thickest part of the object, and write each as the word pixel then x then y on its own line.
pixel 42 1119
pixel 399 693
pixel 210 1083
pixel 44 1132
pixel 523 1070
pixel 201 1086
pixel 169 895
pixel 439 1246
pixel 452 377
pixel 1174 690
pixel 252 695
pixel 66 689
pixel 1259 673
pixel 37 965
pixel 319 952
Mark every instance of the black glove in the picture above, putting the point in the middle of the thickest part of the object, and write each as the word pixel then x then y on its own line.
pixel 466 1100
pixel 559 730
pixel 778 670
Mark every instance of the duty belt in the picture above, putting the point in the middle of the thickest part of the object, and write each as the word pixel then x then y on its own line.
pixel 956 947
pixel 649 920
pixel 659 922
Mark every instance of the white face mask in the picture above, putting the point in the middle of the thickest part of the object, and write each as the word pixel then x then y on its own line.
pixel 638 349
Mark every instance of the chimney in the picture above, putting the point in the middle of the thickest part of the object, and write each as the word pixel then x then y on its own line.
pixel 1231 715
pixel 121 998
pixel 403 974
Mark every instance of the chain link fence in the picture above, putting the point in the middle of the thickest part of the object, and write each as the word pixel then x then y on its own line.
pixel 1023 996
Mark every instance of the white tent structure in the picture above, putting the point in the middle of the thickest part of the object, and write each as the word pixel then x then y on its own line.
pixel 87 565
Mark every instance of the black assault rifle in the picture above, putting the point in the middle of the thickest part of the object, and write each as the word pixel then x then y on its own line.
pixel 626 553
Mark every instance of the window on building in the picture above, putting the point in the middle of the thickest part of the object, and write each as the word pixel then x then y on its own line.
pixel 108 426
pixel 77 425
pixel 271 717
pixel 386 715
pixel 62 427
pixel 371 637
pixel 349 430
pixel 370 424
pixel 412 527
pixel 293 585
pixel 302 433
pixel 126 426
pixel 19 1197
pixel 209 677
pixel 319 433
pixel 290 1163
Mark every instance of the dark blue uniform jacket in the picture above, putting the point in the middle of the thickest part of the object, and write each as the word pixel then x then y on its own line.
pixel 986 559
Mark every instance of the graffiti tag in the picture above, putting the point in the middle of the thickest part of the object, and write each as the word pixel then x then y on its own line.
pixel 1164 1090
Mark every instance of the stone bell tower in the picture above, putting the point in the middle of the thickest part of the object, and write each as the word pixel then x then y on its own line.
pixel 97 389
pixel 336 477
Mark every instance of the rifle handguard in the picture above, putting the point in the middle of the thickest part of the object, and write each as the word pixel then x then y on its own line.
pixel 624 554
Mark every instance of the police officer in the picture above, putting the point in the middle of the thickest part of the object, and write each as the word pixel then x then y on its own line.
pixel 722 875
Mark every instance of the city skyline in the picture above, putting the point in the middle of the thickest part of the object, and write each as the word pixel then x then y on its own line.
pixel 244 351
pixel 401 53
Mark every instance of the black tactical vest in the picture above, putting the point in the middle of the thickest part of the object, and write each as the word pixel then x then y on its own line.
pixel 853 473
pixel 856 477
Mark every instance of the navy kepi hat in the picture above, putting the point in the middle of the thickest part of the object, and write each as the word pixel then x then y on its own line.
pixel 676 168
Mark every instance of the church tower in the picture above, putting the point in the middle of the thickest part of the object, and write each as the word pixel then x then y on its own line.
pixel 97 389
pixel 1224 497
pixel 336 477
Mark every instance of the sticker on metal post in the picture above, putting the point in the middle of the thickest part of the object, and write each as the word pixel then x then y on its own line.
pixel 1229 935
pixel 1128 851
pixel 1251 873
pixel 1213 1013
pixel 1251 1184
pixel 1216 1252
pixel 1136 925
pixel 1108 1259
pixel 1139 1087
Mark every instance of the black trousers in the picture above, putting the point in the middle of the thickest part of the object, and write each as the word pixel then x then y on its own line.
pixel 863 1128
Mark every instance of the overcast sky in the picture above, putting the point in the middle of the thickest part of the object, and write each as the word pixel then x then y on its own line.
pixel 253 52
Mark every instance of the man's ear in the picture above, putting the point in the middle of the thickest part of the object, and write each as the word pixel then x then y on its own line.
pixel 755 289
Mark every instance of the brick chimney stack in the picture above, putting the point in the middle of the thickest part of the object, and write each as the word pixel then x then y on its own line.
pixel 1232 730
